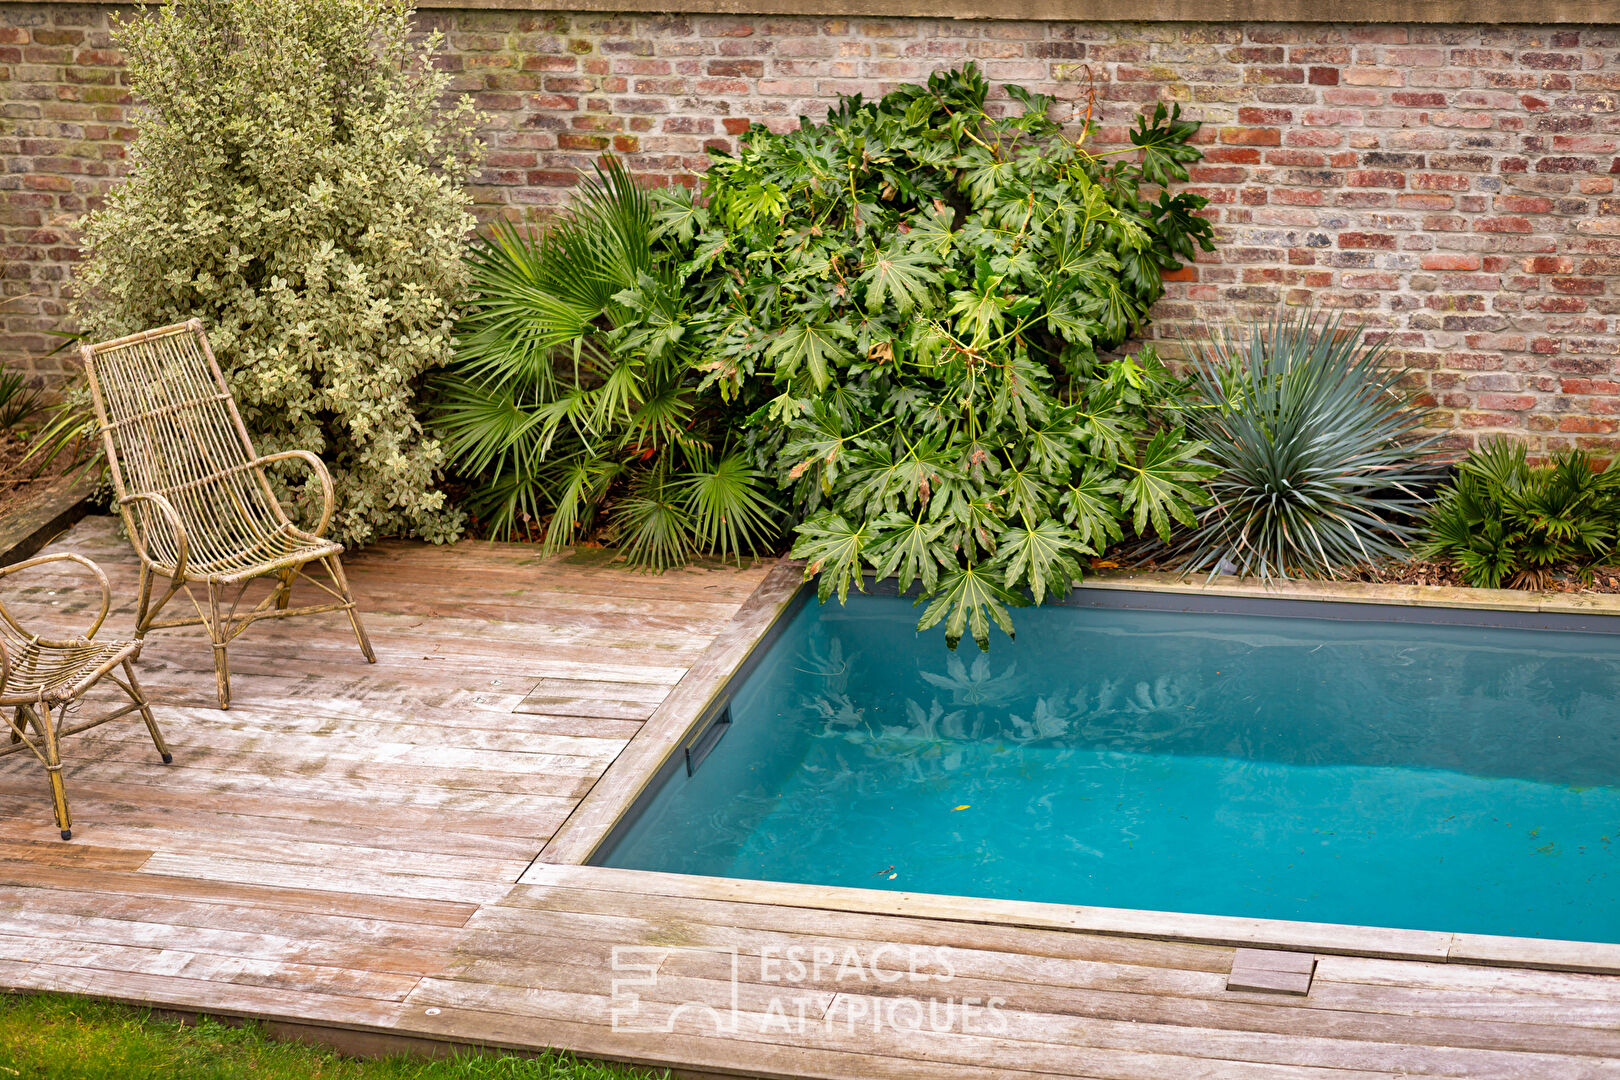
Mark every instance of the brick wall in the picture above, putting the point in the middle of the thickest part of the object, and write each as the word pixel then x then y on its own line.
pixel 1452 185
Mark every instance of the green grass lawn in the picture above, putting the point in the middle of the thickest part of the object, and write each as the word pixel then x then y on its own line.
pixel 55 1037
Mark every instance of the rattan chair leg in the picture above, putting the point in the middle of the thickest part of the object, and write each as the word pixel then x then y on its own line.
pixel 284 580
pixel 219 634
pixel 53 769
pixel 336 570
pixel 138 696
pixel 143 614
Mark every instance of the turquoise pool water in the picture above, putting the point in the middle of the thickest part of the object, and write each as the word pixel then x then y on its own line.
pixel 1379 773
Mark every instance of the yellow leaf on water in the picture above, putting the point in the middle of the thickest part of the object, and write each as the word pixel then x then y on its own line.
pixel 964 806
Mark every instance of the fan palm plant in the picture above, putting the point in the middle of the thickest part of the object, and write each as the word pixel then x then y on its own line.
pixel 1321 456
pixel 572 400
pixel 1504 521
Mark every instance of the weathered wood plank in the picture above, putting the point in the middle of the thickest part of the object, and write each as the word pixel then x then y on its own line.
pixel 55 853
pixel 210 996
pixel 430 912
pixel 336 879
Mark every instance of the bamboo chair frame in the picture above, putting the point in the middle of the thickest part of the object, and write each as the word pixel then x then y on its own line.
pixel 42 679
pixel 194 495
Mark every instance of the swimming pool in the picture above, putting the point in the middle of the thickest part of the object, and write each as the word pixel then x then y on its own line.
pixel 1283 760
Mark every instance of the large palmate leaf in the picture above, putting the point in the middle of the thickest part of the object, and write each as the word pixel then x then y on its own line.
pixel 1163 142
pixel 1164 483
pixel 909 549
pixel 832 548
pixel 728 507
pixel 812 350
pixel 1043 558
pixel 968 600
pixel 1091 506
pixel 899 278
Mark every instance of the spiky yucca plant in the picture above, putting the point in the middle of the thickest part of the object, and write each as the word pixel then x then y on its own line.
pixel 1322 460
pixel 572 399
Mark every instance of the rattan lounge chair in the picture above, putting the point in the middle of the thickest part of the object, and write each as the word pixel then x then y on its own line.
pixel 194 495
pixel 41 681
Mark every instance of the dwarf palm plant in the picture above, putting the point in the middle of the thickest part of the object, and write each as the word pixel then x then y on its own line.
pixel 1504 521
pixel 572 400
pixel 1320 454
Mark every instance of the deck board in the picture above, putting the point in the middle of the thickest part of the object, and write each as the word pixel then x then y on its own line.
pixel 353 846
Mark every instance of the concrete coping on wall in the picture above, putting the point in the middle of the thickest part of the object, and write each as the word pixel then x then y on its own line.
pixel 1490 12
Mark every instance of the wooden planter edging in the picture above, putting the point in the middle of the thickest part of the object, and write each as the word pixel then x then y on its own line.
pixel 52 510
pixel 563 860
pixel 1362 592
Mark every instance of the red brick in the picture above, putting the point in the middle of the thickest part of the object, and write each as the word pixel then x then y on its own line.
pixel 1251 136
pixel 1579 285
pixel 1507 402
pixel 1449 262
pixel 1383 178
pixel 1589 386
pixel 1382 241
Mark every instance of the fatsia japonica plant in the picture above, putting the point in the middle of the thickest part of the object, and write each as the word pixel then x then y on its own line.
pixel 573 398
pixel 913 300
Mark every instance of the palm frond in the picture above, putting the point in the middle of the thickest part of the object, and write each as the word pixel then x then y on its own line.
pixel 727 506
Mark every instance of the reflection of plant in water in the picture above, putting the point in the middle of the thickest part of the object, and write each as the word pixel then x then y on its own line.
pixel 1165 693
pixel 976 686
pixel 1047 723
pixel 837 711
pixel 827 663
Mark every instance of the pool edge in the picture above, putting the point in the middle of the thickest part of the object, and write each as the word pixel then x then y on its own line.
pixel 675 720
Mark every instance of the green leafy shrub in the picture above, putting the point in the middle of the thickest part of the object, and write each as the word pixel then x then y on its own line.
pixel 298 185
pixel 574 389
pixel 1320 456
pixel 910 299
pixel 1503 520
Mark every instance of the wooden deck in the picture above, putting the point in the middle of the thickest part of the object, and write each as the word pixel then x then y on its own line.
pixel 355 847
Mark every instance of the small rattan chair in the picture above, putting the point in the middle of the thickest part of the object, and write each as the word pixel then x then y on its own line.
pixel 41 681
pixel 194 495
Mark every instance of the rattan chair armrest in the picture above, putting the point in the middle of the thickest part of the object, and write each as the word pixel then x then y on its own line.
pixel 65 556
pixel 166 509
pixel 5 668
pixel 321 474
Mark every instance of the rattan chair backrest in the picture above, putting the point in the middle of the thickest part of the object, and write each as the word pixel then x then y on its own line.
pixel 171 428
